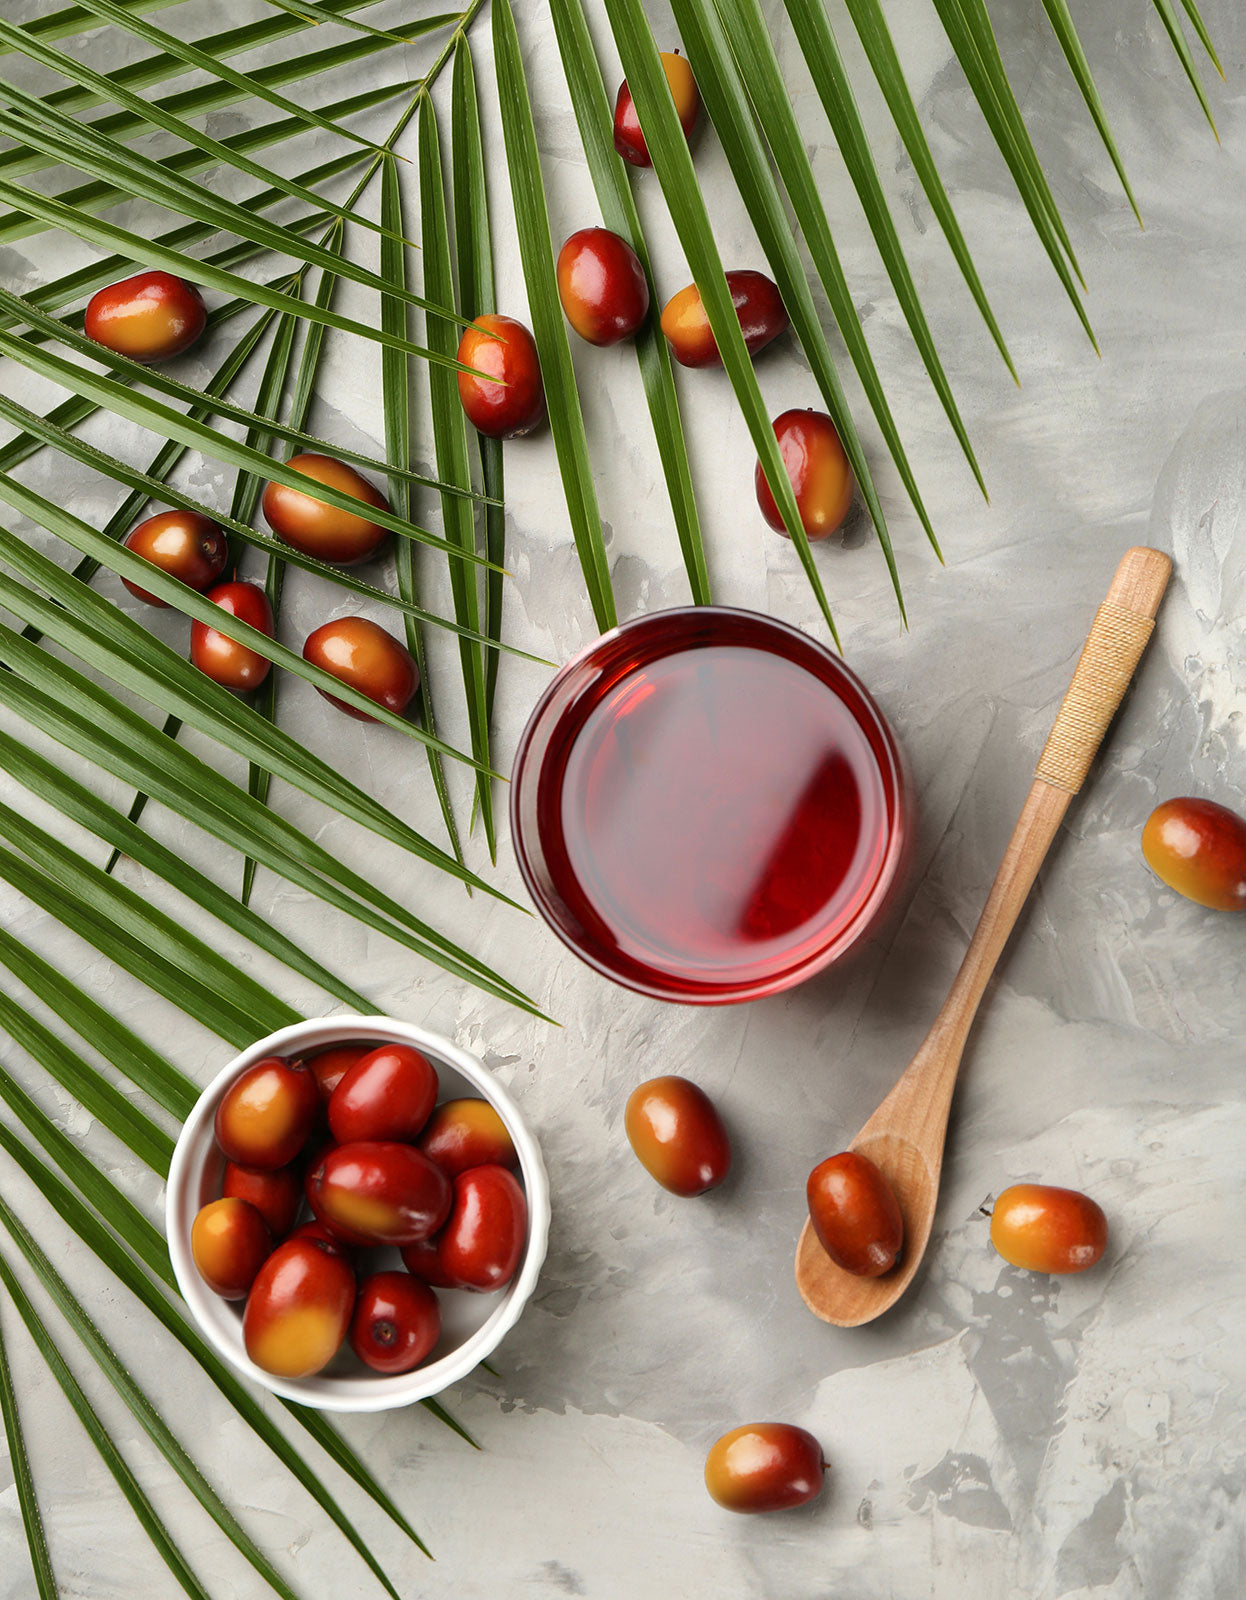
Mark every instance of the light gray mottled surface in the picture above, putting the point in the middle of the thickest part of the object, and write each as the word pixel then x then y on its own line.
pixel 999 1434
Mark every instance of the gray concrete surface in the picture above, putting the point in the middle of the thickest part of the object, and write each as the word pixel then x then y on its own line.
pixel 998 1435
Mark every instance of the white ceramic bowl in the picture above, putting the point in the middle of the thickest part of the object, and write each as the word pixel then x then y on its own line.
pixel 472 1324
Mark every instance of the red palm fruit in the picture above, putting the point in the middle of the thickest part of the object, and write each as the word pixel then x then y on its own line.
pixel 678 1136
pixel 503 395
pixel 299 1308
pixel 229 1241
pixel 855 1214
pixel 819 472
pixel 1198 848
pixel 317 528
pixel 397 1322
pixel 1044 1229
pixel 377 1191
pixel 387 1095
pixel 233 665
pixel 330 1066
pixel 758 305
pixel 602 286
pixel 483 1239
pixel 148 317
pixel 467 1133
pixel 629 141
pixel 183 544
pixel 276 1193
pixel 367 658
pixel 267 1113
pixel 765 1466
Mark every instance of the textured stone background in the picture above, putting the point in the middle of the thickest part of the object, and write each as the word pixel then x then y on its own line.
pixel 998 1434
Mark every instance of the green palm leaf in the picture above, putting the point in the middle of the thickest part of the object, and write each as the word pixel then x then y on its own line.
pixel 122 742
pixel 1172 26
pixel 214 94
pixel 124 1217
pixel 979 60
pixel 159 1079
pixel 204 61
pixel 450 451
pixel 870 21
pixel 474 261
pixel 99 1437
pixel 136 1400
pixel 100 195
pixel 618 208
pixel 76 19
pixel 672 162
pixel 1200 28
pixel 94 1234
pixel 754 54
pixel 725 96
pixel 117 558
pixel 132 1126
pixel 566 420
pixel 396 405
pixel 23 1480
pixel 1065 30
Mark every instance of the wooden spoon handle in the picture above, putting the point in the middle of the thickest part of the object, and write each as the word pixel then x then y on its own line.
pixel 1117 638
pixel 1114 646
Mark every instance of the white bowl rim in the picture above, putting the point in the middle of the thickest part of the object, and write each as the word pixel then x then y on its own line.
pixel 365 1391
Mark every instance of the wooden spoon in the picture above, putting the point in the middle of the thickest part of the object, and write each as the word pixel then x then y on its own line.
pixel 904 1138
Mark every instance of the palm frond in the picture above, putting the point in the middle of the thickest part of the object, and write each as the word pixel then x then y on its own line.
pixel 618 208
pixel 566 419
pixel 450 451
pixel 23 1480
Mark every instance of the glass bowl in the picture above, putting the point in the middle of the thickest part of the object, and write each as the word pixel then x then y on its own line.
pixel 708 807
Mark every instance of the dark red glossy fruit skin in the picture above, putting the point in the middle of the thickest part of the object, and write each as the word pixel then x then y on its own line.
pixel 678 1136
pixel 758 305
pixel 765 1466
pixel 299 1308
pixel 467 1133
pixel 367 658
pixel 148 317
pixel 423 1260
pixel 317 1231
pixel 230 1242
pixel 389 1094
pixel 818 469
pixel 514 402
pixel 275 1193
pixel 318 529
pixel 602 286
pixel 183 544
pixel 265 1116
pixel 397 1322
pixel 483 1239
pixel 629 141
pixel 1045 1229
pixel 377 1191
pixel 1198 848
pixel 855 1214
pixel 224 660
pixel 330 1066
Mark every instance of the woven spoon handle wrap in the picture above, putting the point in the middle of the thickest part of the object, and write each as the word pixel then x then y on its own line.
pixel 1118 636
